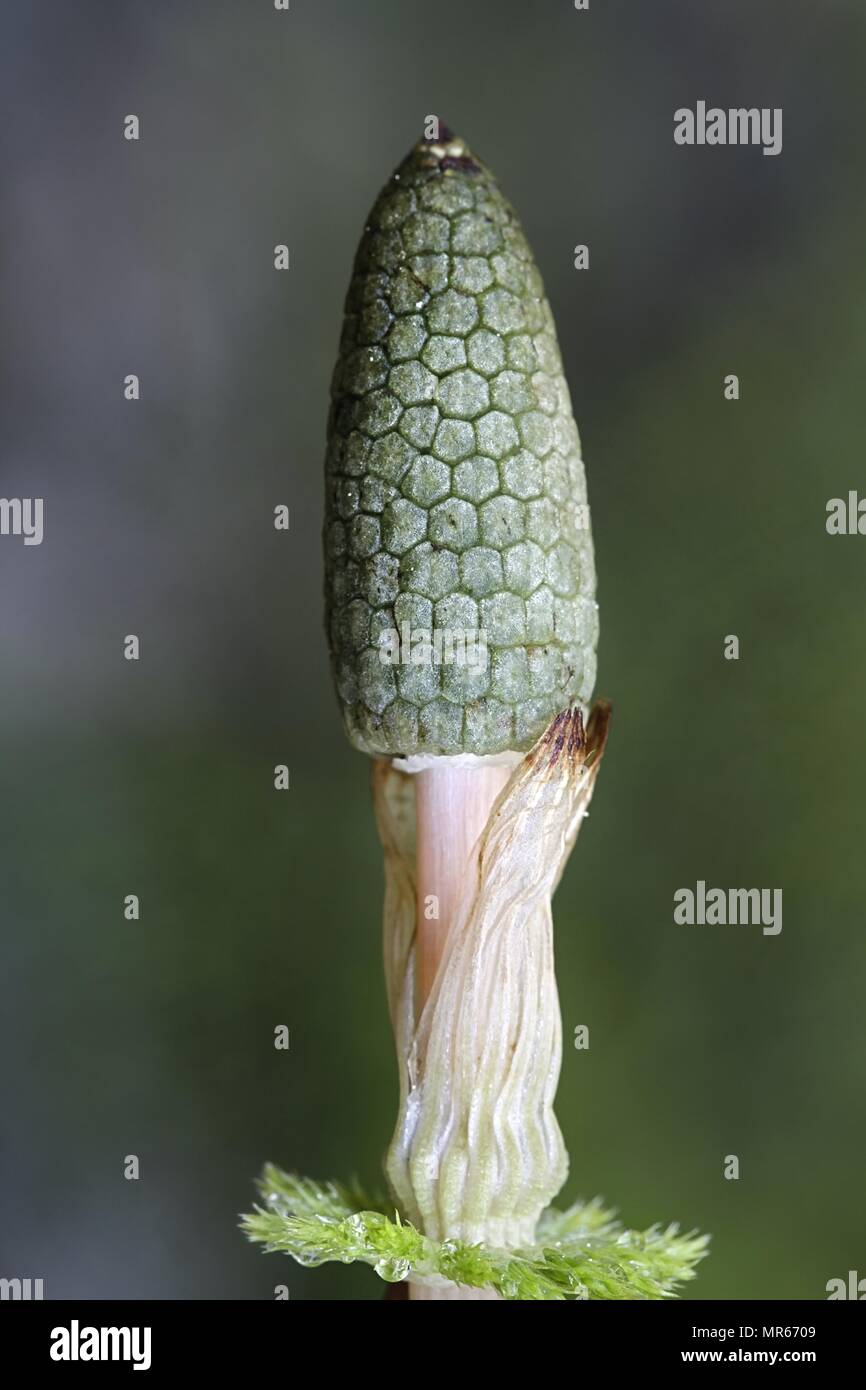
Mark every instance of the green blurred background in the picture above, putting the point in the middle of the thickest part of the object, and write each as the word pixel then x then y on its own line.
pixel 156 778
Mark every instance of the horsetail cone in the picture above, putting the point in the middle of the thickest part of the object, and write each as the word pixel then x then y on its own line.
pixel 460 581
pixel 462 619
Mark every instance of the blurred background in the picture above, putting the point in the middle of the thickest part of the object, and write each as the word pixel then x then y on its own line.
pixel 155 1038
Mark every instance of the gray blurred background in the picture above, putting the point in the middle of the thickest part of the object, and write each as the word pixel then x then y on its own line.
pixel 156 778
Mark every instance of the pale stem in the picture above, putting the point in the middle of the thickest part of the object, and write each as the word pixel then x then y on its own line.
pixel 452 809
pixel 451 1292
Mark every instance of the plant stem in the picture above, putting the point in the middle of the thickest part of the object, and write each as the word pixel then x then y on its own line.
pixel 451 1292
pixel 453 805
pixel 452 808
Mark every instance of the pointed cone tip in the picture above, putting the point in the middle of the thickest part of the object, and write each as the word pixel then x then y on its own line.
pixel 445 135
pixel 448 150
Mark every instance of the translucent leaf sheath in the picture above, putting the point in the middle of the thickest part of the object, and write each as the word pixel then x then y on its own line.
pixel 477 1153
pixel 455 491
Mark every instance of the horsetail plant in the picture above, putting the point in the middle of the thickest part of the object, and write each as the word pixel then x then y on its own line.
pixel 461 613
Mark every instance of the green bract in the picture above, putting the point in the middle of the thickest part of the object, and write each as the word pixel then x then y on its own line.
pixel 460 578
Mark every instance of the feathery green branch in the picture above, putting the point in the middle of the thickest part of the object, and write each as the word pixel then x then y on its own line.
pixel 582 1253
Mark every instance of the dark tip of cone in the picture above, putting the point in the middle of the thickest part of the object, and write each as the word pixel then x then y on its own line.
pixel 445 134
pixel 447 151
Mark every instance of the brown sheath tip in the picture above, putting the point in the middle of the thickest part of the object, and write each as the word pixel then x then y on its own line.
pixel 567 732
